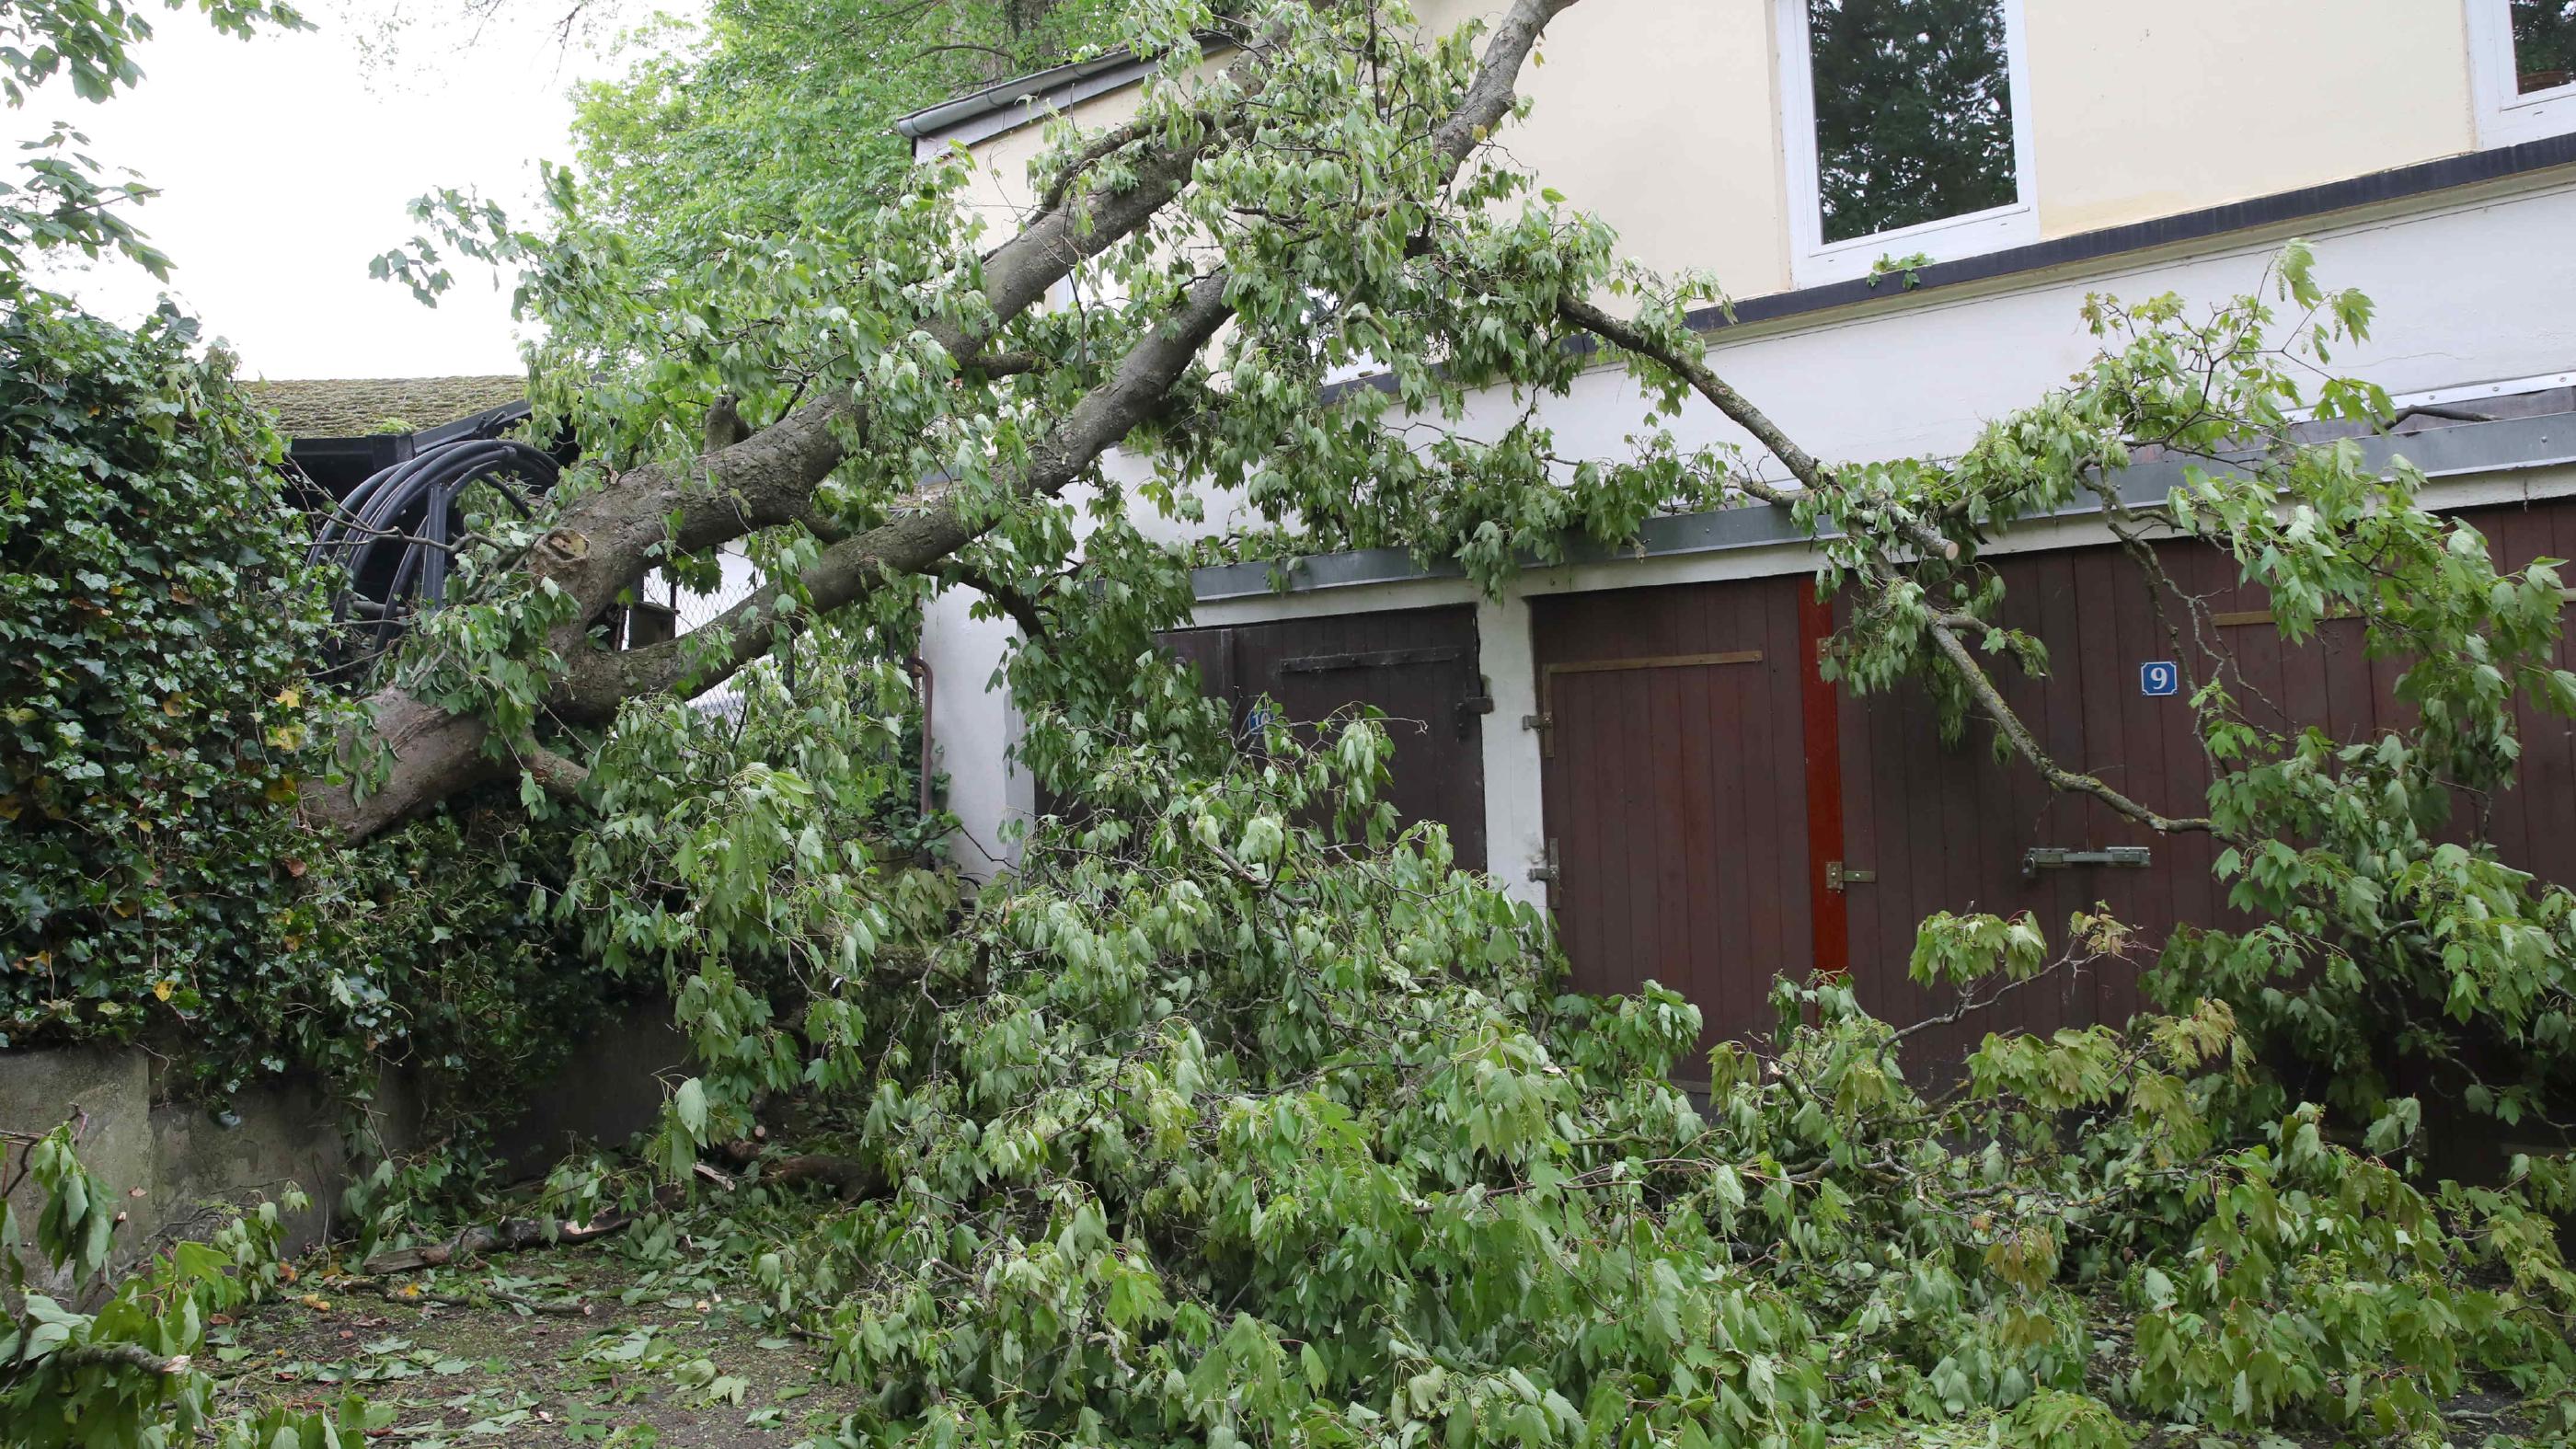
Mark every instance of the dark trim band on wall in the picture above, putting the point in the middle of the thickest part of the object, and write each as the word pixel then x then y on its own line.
pixel 2425 178
pixel 2397 184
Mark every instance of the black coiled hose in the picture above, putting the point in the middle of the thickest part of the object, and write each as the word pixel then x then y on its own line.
pixel 393 536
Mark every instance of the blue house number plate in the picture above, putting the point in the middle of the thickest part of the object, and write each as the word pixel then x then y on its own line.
pixel 2159 677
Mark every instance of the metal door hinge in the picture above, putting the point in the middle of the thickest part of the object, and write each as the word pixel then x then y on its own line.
pixel 2058 857
pixel 1545 724
pixel 1468 709
pixel 1838 875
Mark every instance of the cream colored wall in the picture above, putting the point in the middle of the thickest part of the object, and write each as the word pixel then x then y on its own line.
pixel 1657 114
pixel 2143 110
pixel 1001 187
pixel 1663 115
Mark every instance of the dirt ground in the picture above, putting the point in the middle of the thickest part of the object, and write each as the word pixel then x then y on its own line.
pixel 561 1346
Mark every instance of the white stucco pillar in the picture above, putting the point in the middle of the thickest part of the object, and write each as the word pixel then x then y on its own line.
pixel 1515 820
pixel 973 731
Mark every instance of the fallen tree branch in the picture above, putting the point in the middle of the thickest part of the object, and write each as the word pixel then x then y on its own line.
pixel 1022 609
pixel 1911 531
pixel 2025 744
pixel 848 1176
pixel 604 540
pixel 556 775
pixel 555 1308
pixel 120 1355
pixel 415 1293
pixel 509 1235
pixel 1802 465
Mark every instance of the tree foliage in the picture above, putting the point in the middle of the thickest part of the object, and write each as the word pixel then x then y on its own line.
pixel 126 1372
pixel 60 197
pixel 160 633
pixel 730 181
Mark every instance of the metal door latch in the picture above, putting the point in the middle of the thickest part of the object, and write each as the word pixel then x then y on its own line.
pixel 2058 857
pixel 1838 875
pixel 1550 873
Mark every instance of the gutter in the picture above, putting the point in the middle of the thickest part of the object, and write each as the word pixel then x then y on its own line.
pixel 1007 105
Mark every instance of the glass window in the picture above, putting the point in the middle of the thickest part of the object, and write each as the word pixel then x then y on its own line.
pixel 2522 69
pixel 2544 45
pixel 1913 110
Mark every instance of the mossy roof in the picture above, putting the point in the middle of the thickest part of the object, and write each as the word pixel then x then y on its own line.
pixel 354 407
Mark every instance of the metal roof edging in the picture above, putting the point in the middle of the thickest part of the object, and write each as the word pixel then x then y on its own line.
pixel 487 423
pixel 990 113
pixel 2505 445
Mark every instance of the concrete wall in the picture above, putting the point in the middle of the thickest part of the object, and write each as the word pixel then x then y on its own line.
pixel 172 1165
pixel 175 1168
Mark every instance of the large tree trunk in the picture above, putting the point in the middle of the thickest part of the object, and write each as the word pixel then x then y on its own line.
pixel 603 543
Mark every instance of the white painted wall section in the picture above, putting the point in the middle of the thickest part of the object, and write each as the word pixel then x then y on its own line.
pixel 975 734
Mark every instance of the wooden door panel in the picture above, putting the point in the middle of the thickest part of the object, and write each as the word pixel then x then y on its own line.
pixel 1417 666
pixel 1674 788
pixel 1945 827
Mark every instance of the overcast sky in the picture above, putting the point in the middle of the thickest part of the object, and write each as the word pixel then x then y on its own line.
pixel 285 162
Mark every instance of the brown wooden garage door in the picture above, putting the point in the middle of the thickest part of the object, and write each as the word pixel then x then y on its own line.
pixel 1419 666
pixel 1674 781
pixel 1719 818
pixel 1949 827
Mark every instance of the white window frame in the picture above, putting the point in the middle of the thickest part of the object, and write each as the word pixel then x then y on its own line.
pixel 2505 117
pixel 1812 260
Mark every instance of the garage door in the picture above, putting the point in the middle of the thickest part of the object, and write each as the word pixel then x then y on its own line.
pixel 1419 666
pixel 1717 814
pixel 1674 778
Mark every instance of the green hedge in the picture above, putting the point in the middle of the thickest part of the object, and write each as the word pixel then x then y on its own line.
pixel 157 627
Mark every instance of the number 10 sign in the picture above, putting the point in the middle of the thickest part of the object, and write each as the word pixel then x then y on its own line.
pixel 2159 677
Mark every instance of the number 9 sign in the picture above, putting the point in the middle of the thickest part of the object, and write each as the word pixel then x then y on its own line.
pixel 2159 677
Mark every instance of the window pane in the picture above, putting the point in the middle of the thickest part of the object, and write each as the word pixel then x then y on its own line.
pixel 2544 44
pixel 1913 111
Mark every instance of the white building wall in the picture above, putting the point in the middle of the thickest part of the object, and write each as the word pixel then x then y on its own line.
pixel 975 734
pixel 2472 287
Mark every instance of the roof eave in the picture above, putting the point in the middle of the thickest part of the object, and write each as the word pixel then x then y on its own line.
pixel 1027 99
pixel 934 122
